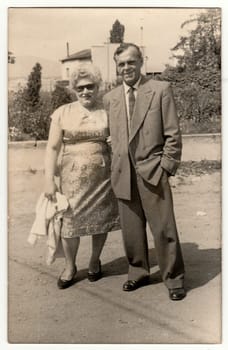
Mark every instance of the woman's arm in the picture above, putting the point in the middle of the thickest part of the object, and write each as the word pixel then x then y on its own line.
pixel 52 151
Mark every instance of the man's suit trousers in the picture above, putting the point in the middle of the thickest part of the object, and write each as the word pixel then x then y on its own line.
pixel 152 204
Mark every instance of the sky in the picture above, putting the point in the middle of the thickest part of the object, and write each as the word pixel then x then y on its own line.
pixel 44 32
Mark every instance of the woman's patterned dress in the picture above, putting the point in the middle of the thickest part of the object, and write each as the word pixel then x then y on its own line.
pixel 84 170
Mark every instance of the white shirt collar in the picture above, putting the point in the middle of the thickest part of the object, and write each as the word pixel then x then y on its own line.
pixel 135 86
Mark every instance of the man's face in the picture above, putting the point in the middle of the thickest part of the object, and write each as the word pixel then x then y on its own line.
pixel 129 65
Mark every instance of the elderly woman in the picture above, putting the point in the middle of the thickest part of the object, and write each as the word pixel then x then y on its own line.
pixel 80 130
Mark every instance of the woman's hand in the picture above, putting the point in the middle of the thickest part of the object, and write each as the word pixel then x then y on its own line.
pixel 50 190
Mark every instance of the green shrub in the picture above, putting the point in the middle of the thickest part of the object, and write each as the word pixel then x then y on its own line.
pixel 32 122
pixel 61 95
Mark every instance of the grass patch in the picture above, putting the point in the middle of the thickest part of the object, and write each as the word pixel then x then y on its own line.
pixel 199 168
pixel 211 126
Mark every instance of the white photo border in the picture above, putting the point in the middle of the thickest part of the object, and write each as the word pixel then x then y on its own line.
pixel 4 5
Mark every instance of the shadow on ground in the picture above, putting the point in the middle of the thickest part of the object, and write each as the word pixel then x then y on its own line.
pixel 202 266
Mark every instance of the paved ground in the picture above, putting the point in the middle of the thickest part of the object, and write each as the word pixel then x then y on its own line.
pixel 100 312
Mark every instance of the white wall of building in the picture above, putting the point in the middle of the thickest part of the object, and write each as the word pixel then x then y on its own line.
pixel 102 57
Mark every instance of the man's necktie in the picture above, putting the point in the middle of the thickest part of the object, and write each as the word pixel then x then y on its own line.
pixel 131 100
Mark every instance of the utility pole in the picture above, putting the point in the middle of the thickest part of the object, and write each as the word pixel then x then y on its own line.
pixel 108 61
pixel 141 32
pixel 68 50
pixel 141 42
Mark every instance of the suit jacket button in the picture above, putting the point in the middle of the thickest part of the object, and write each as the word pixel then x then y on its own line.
pixel 119 170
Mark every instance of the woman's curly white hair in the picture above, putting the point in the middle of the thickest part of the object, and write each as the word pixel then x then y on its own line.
pixel 85 70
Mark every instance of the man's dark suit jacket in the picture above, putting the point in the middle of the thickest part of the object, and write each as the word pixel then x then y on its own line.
pixel 154 141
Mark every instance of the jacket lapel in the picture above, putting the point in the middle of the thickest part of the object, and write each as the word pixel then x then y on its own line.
pixel 120 112
pixel 142 104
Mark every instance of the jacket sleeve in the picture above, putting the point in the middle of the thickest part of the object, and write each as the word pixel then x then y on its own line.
pixel 173 143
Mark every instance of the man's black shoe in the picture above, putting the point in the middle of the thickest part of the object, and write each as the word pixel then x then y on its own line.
pixel 177 293
pixel 131 285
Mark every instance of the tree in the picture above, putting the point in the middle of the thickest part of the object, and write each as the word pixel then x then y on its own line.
pixel 39 120
pixel 117 33
pixel 197 74
pixel 60 96
pixel 31 119
pixel 203 46
pixel 31 105
pixel 32 91
pixel 29 123
pixel 29 109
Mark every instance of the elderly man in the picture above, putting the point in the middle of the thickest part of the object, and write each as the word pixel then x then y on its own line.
pixel 146 144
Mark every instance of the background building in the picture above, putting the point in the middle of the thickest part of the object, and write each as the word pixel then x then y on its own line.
pixel 70 62
pixel 100 55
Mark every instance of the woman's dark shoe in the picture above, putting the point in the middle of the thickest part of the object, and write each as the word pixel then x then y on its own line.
pixel 95 276
pixel 63 284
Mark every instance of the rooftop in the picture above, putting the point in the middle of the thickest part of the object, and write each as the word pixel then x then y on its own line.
pixel 80 55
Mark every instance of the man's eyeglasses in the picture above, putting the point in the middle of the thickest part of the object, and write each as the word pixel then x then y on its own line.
pixel 89 87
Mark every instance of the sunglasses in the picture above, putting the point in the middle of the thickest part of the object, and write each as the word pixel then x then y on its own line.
pixel 89 87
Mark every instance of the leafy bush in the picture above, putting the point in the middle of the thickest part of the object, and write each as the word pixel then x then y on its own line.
pixel 30 123
pixel 196 78
pixel 30 109
pixel 61 95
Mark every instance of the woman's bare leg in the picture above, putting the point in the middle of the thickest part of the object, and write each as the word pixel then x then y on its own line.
pixel 70 248
pixel 98 242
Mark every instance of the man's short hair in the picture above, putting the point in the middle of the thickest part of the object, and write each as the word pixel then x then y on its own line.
pixel 124 46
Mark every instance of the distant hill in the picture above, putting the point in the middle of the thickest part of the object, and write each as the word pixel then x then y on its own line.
pixel 24 64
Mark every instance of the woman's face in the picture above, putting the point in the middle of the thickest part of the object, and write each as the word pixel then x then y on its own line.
pixel 86 91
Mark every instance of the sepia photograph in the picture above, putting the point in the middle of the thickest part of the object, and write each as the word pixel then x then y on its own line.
pixel 114 154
